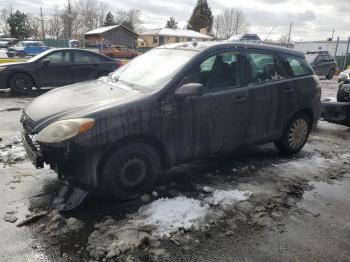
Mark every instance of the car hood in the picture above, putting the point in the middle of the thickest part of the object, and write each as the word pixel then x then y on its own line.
pixel 79 100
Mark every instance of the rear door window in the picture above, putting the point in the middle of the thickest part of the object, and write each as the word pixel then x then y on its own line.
pixel 61 57
pixel 85 58
pixel 264 67
pixel 298 67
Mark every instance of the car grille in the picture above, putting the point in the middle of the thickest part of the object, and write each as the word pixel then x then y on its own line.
pixel 28 124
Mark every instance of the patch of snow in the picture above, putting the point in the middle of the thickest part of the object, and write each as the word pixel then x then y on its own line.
pixel 228 198
pixel 170 215
pixel 12 154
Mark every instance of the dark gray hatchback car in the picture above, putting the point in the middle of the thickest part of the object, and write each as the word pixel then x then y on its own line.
pixel 173 104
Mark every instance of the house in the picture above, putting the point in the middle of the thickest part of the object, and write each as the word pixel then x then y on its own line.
pixel 116 35
pixel 162 36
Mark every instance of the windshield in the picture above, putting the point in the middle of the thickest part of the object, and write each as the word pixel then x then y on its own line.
pixel 154 69
pixel 39 56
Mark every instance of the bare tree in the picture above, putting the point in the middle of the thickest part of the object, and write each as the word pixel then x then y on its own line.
pixel 231 22
pixel 43 26
pixel 102 12
pixel 284 39
pixel 89 15
pixel 55 24
pixel 68 16
pixel 5 14
pixel 129 18
pixel 34 23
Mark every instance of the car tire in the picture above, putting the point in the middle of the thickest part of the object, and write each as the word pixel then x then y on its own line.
pixel 330 74
pixel 343 96
pixel 131 171
pixel 10 55
pixel 295 135
pixel 21 54
pixel 20 83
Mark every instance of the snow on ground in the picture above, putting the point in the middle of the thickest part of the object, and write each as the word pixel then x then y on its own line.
pixel 170 215
pixel 160 219
pixel 226 199
pixel 12 151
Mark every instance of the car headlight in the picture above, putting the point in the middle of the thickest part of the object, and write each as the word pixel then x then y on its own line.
pixel 63 130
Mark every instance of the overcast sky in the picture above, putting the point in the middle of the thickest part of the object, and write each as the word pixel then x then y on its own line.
pixel 312 19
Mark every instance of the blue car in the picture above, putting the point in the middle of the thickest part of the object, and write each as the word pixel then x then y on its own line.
pixel 27 48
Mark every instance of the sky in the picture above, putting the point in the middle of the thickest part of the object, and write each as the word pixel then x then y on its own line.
pixel 312 19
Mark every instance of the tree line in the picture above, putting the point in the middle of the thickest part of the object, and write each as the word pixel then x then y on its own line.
pixel 79 16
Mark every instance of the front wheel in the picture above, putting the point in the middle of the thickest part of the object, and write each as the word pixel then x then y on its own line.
pixel 295 135
pixel 131 171
pixel 21 54
pixel 20 83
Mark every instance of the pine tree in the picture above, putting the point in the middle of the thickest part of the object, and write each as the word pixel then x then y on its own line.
pixel 109 20
pixel 202 17
pixel 19 25
pixel 172 23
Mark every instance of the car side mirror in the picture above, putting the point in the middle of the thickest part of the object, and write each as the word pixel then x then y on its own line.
pixel 188 90
pixel 45 62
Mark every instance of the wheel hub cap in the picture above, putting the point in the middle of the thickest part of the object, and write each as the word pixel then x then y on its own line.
pixel 298 133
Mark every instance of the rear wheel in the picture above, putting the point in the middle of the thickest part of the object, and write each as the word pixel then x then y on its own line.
pixel 20 83
pixel 295 135
pixel 131 171
pixel 21 54
pixel 330 74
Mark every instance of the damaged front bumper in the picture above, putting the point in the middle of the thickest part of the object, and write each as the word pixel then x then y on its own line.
pixel 32 152
pixel 336 112
pixel 75 165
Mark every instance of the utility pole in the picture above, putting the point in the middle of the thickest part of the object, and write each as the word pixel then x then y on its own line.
pixel 42 24
pixel 290 32
pixel 336 48
pixel 346 54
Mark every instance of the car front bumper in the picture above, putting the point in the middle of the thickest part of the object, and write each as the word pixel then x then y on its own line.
pixel 33 153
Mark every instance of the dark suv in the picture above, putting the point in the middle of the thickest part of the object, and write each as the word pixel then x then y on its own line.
pixel 173 104
pixel 322 63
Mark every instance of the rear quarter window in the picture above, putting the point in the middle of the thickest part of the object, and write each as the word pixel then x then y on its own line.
pixel 298 67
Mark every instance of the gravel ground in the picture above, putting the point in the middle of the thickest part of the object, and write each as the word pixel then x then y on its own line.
pixel 297 209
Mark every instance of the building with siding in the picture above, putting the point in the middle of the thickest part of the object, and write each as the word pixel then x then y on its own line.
pixel 116 35
pixel 162 36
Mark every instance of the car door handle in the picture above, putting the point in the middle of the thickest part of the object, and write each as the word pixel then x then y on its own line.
pixel 240 99
pixel 288 90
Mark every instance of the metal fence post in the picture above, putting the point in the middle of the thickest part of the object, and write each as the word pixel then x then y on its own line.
pixel 346 55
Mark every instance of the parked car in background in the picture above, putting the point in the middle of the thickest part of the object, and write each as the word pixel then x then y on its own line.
pixel 248 38
pixel 27 48
pixel 4 43
pixel 54 68
pixel 190 101
pixel 343 94
pixel 323 63
pixel 12 40
pixel 115 51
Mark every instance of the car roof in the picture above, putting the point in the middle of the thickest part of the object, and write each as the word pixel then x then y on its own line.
pixel 81 50
pixel 201 46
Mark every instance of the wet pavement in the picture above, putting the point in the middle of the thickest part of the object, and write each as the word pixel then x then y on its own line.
pixel 299 210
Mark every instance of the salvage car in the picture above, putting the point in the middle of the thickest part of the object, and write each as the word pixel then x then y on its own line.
pixel 118 52
pixel 27 48
pixel 323 63
pixel 55 68
pixel 192 100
